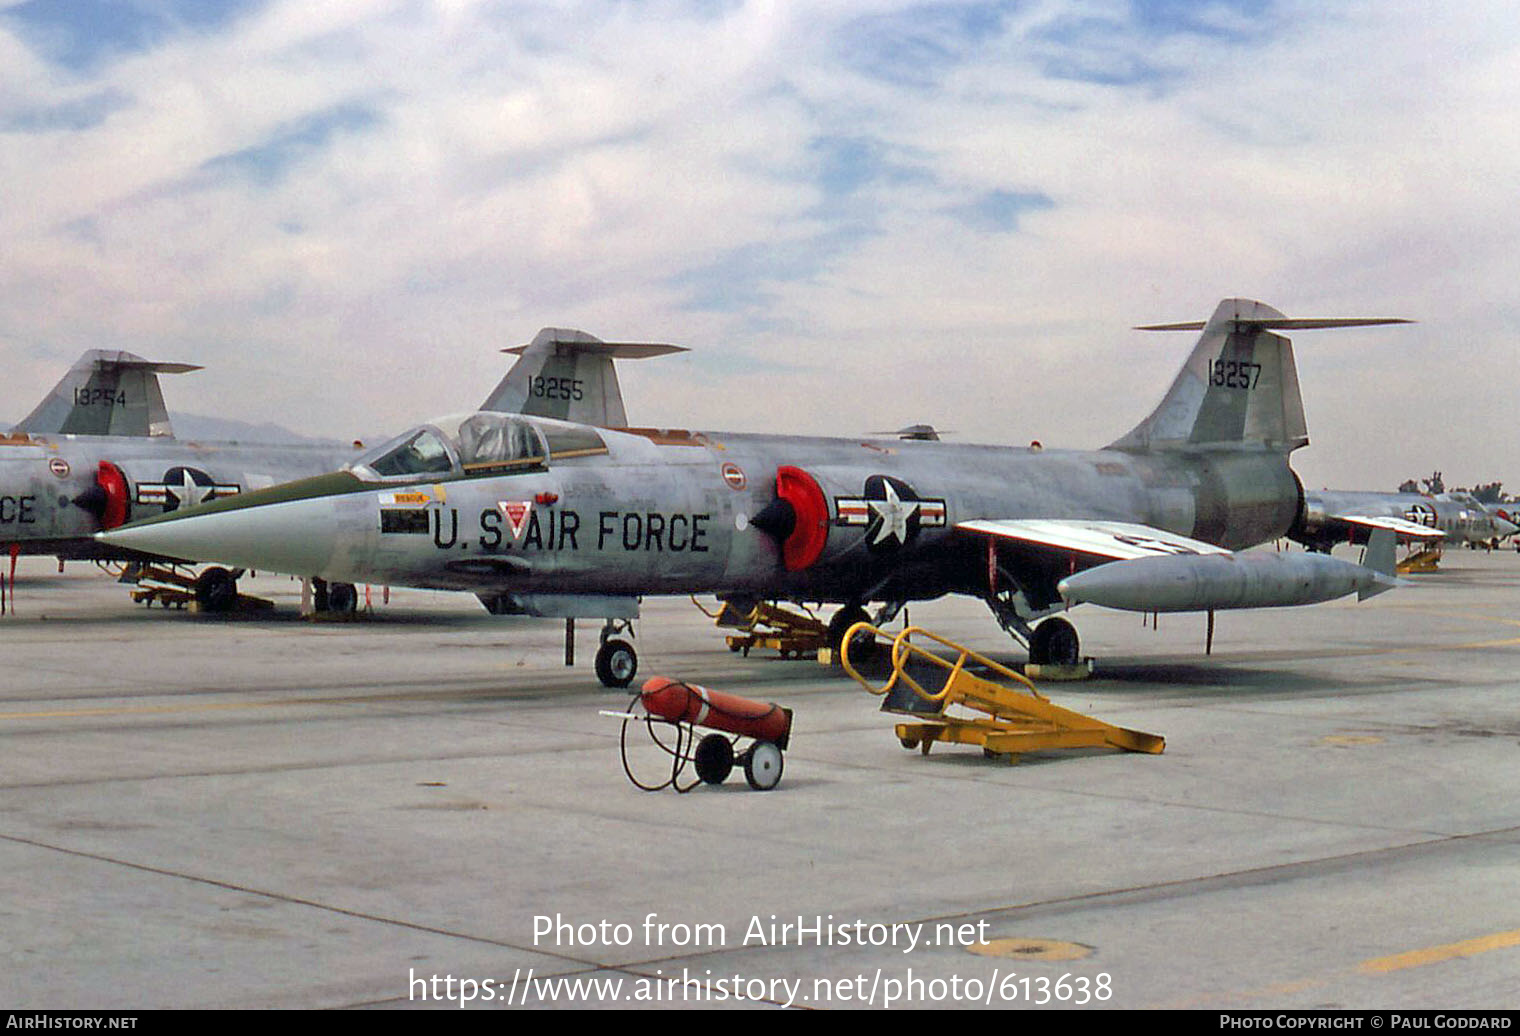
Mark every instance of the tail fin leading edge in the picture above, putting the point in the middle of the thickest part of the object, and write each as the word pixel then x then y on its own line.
pixel 106 393
pixel 1239 387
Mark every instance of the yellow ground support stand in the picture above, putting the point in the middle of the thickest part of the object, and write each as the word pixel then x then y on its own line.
pixel 1019 719
pixel 1420 561
pixel 767 625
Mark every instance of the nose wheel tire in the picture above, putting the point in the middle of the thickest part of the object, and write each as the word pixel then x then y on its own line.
pixel 216 591
pixel 616 663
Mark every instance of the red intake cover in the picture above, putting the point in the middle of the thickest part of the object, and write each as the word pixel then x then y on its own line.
pixel 114 484
pixel 811 532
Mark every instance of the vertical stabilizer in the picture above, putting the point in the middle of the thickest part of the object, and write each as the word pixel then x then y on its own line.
pixel 1239 387
pixel 106 393
pixel 569 375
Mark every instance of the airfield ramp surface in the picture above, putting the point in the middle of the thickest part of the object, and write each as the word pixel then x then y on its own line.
pixel 268 812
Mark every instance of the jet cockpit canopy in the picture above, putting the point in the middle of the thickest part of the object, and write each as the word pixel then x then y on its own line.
pixel 483 443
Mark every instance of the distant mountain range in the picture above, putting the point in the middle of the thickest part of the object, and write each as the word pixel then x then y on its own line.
pixel 220 429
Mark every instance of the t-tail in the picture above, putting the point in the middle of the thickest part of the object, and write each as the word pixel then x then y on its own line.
pixel 569 375
pixel 1239 388
pixel 106 393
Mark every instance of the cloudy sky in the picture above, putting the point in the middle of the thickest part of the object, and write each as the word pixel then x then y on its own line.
pixel 858 213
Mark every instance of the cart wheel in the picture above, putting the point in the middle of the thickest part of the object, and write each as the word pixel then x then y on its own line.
pixel 714 758
pixel 907 742
pixel 762 766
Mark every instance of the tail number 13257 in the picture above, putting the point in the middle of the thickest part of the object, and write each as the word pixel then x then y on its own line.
pixel 1235 374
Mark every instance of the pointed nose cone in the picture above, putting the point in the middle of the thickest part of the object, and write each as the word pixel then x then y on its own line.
pixel 1505 526
pixel 297 537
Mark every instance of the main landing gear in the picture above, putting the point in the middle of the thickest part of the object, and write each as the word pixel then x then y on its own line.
pixel 843 619
pixel 1053 642
pixel 863 645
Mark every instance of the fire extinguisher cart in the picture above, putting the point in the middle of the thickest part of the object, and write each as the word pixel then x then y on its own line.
pixel 677 709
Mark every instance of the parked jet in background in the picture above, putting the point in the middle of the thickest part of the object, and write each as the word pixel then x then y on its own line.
pixel 100 450
pixel 105 393
pixel 553 517
pixel 1332 517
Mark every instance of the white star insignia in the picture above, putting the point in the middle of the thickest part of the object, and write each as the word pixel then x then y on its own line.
pixel 894 513
pixel 188 492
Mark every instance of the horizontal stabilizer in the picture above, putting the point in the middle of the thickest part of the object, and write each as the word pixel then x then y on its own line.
pixel 616 350
pixel 1282 324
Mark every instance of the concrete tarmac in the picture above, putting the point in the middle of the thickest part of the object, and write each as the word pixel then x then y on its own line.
pixel 426 808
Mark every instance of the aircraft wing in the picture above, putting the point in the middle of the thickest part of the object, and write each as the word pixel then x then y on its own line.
pixel 1140 568
pixel 1114 541
pixel 1399 526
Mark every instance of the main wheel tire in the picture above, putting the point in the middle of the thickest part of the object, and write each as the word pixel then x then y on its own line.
pixel 714 758
pixel 1055 642
pixel 763 765
pixel 616 663
pixel 863 645
pixel 216 591
pixel 342 598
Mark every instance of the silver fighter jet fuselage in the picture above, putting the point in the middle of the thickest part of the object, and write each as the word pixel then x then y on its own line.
pixel 548 517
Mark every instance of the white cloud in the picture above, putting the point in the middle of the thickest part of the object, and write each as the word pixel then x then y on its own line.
pixel 343 209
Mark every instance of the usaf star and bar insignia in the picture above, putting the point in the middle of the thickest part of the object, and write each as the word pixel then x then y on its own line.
pixel 890 511
pixel 184 487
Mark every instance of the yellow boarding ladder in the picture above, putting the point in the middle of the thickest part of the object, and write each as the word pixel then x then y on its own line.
pixel 1425 560
pixel 1019 719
